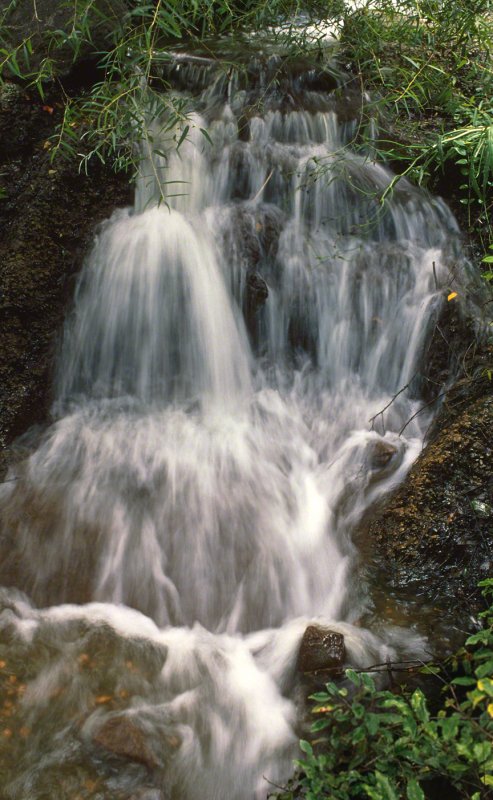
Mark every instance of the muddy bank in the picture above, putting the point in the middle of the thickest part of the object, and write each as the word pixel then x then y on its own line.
pixel 48 213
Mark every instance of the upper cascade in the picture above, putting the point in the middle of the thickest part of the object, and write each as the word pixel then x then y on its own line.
pixel 269 193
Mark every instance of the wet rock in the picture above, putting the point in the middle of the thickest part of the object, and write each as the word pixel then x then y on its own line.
pixel 433 541
pixel 321 649
pixel 381 453
pixel 124 738
pixel 147 794
pixel 257 291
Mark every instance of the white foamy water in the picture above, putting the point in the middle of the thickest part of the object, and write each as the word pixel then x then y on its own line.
pixel 212 454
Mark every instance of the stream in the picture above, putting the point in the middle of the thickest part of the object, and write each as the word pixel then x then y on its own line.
pixel 217 442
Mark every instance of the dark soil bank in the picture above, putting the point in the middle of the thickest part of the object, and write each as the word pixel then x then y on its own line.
pixel 434 540
pixel 48 213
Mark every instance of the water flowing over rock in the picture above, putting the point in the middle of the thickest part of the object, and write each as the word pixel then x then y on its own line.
pixel 209 470
pixel 122 737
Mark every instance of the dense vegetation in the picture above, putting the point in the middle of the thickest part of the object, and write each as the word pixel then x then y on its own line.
pixel 392 744
pixel 427 64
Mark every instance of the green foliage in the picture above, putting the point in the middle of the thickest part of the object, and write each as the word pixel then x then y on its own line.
pixel 105 122
pixel 385 745
pixel 488 273
pixel 426 63
pixel 429 62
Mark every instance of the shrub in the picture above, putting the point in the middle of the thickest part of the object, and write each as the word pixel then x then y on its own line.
pixel 388 745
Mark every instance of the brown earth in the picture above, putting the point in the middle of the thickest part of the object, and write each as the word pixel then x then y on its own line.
pixel 48 214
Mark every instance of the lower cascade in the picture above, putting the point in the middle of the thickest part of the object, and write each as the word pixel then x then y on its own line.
pixel 239 384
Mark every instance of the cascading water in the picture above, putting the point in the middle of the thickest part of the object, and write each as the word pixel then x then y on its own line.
pixel 212 452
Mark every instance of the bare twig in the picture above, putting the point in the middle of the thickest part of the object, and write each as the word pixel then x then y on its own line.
pixel 426 405
pixel 380 413
pixel 385 666
pixel 269 176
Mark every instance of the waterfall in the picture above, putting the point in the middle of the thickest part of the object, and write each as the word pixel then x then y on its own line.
pixel 212 452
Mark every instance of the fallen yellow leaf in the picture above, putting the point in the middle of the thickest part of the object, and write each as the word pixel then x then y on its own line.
pixel 452 295
pixel 103 698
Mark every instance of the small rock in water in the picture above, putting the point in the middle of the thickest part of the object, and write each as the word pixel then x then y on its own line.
pixel 321 648
pixel 381 454
pixel 122 737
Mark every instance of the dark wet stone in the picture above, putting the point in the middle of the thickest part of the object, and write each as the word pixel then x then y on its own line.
pixel 321 649
pixel 257 291
pixel 124 738
pixel 431 544
pixel 381 453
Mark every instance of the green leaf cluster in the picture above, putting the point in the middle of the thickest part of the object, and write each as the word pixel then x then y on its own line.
pixel 429 64
pixel 114 120
pixel 388 745
pixel 426 63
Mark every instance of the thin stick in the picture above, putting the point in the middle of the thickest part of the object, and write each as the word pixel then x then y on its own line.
pixel 442 394
pixel 372 419
pixel 269 176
